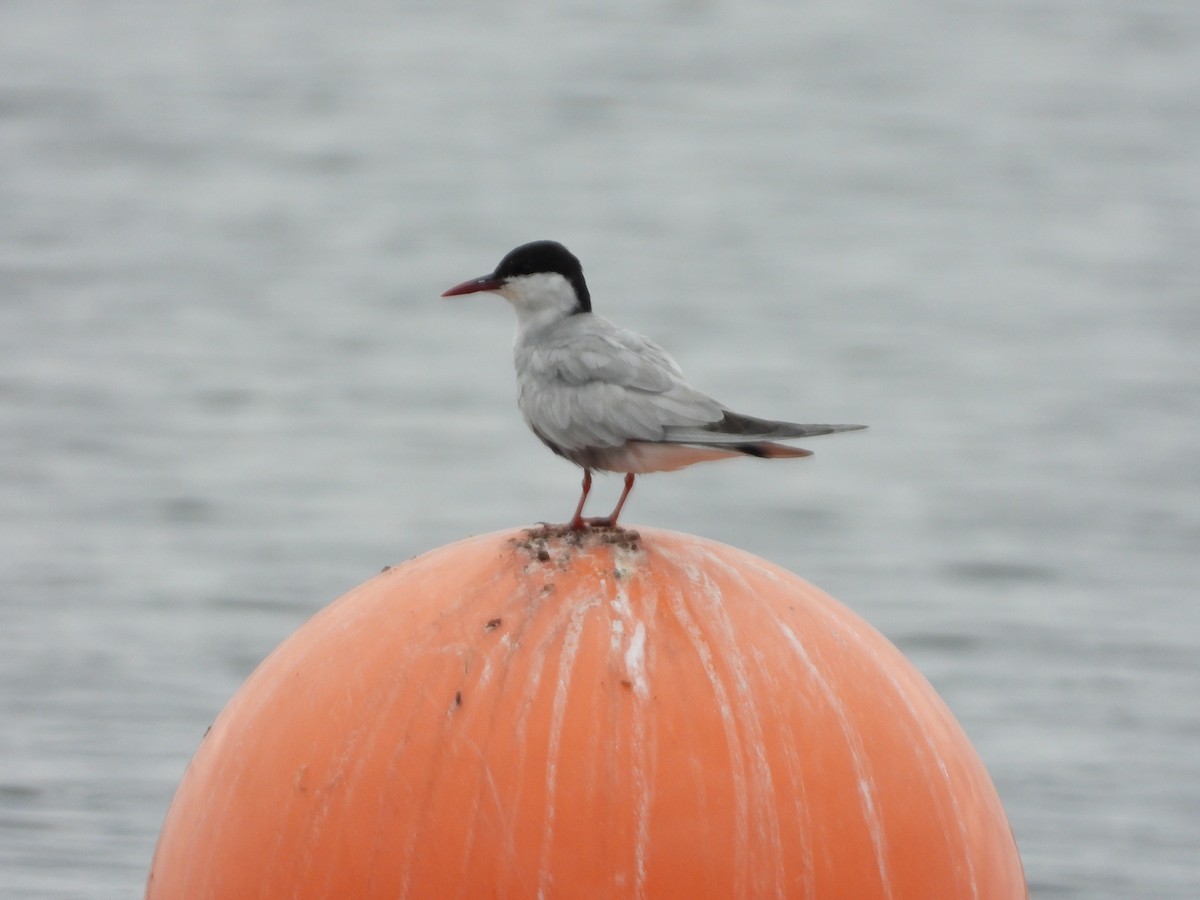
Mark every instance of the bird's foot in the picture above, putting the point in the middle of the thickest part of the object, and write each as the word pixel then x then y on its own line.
pixel 580 523
pixel 600 522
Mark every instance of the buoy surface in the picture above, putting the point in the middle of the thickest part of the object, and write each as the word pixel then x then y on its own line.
pixel 635 715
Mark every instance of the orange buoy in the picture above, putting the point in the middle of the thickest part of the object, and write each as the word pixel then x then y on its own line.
pixel 526 714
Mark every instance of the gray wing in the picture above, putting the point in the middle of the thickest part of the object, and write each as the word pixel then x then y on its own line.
pixel 592 384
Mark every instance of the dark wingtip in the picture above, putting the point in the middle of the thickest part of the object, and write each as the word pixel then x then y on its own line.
pixel 739 423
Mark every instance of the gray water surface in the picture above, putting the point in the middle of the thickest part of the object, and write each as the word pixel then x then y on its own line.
pixel 229 391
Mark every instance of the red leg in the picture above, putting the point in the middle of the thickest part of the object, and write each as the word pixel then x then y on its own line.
pixel 577 523
pixel 611 521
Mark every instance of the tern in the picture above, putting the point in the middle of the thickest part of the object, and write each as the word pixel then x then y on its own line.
pixel 607 398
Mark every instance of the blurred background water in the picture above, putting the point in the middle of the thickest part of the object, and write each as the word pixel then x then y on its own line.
pixel 229 391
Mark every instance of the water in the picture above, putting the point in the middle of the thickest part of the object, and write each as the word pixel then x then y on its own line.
pixel 228 392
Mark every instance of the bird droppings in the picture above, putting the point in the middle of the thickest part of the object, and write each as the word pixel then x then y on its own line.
pixel 551 548
pixel 556 543
pixel 492 624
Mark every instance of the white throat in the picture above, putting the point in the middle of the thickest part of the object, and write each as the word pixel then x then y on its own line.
pixel 540 300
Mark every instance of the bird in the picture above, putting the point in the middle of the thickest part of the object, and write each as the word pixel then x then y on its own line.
pixel 607 398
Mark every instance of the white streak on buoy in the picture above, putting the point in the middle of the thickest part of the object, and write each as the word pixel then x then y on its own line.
pixel 767 831
pixel 635 661
pixel 617 631
pixel 566 662
pixel 485 673
pixel 931 754
pixel 729 723
pixel 866 785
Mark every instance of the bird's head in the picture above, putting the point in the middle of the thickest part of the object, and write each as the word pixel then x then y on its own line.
pixel 542 280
